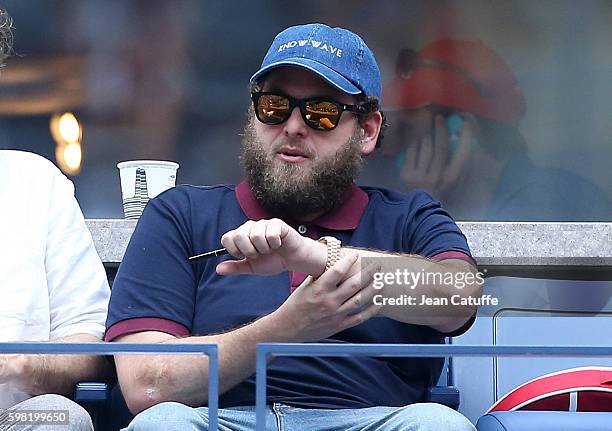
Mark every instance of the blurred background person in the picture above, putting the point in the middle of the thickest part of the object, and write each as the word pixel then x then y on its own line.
pixel 455 108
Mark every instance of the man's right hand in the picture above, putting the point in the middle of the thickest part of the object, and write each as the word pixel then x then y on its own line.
pixel 267 247
pixel 339 299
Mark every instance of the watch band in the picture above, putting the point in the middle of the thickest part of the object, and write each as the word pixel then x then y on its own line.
pixel 333 250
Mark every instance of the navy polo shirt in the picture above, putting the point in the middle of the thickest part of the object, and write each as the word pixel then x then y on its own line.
pixel 157 289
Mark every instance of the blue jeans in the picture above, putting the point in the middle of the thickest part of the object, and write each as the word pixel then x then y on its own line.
pixel 172 416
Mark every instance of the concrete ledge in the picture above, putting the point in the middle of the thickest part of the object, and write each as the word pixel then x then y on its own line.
pixel 111 237
pixel 540 244
pixel 492 243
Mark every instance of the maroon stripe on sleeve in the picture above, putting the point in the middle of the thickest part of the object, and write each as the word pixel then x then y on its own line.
pixel 454 255
pixel 140 324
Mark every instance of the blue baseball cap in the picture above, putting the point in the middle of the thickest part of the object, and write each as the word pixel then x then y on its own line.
pixel 337 55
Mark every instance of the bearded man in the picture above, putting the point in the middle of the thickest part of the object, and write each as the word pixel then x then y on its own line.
pixel 297 231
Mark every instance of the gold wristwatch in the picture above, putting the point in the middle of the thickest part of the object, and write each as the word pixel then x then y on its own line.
pixel 333 250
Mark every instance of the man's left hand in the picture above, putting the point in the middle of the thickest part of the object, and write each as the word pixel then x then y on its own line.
pixel 266 247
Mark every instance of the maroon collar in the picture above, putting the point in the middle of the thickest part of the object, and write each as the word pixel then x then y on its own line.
pixel 344 217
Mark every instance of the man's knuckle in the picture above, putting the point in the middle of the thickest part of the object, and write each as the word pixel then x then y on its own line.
pixel 355 285
pixel 256 236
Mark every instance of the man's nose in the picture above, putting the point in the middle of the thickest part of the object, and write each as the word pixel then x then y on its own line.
pixel 295 126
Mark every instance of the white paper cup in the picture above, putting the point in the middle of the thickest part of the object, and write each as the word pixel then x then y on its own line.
pixel 142 180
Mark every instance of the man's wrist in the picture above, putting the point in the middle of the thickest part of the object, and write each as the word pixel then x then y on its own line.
pixel 277 328
pixel 317 258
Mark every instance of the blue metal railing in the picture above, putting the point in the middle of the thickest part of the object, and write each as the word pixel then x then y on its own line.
pixel 266 351
pixel 128 348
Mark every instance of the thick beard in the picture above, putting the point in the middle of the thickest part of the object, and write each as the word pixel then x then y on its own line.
pixel 292 192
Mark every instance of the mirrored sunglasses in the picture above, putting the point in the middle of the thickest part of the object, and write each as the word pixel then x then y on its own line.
pixel 319 113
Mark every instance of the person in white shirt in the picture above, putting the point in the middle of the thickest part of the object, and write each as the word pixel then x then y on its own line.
pixel 53 286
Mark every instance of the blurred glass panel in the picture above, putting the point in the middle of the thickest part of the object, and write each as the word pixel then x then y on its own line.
pixel 169 80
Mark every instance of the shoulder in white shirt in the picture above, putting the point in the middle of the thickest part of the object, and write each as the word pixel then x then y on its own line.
pixel 52 281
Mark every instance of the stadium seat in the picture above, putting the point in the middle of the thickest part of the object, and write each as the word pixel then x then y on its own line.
pixel 544 421
pixel 530 312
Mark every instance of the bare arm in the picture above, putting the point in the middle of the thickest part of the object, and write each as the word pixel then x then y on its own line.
pixel 148 380
pixel 259 243
pixel 315 310
pixel 447 284
pixel 58 374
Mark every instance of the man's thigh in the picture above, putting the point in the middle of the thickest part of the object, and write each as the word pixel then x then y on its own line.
pixel 171 416
pixel 414 417
pixel 78 418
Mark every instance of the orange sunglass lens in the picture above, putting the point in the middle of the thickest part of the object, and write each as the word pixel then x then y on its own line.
pixel 322 115
pixel 273 109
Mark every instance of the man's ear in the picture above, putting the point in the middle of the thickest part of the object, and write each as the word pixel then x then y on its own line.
pixel 371 128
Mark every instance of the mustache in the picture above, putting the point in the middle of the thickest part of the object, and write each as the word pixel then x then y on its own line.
pixel 296 144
